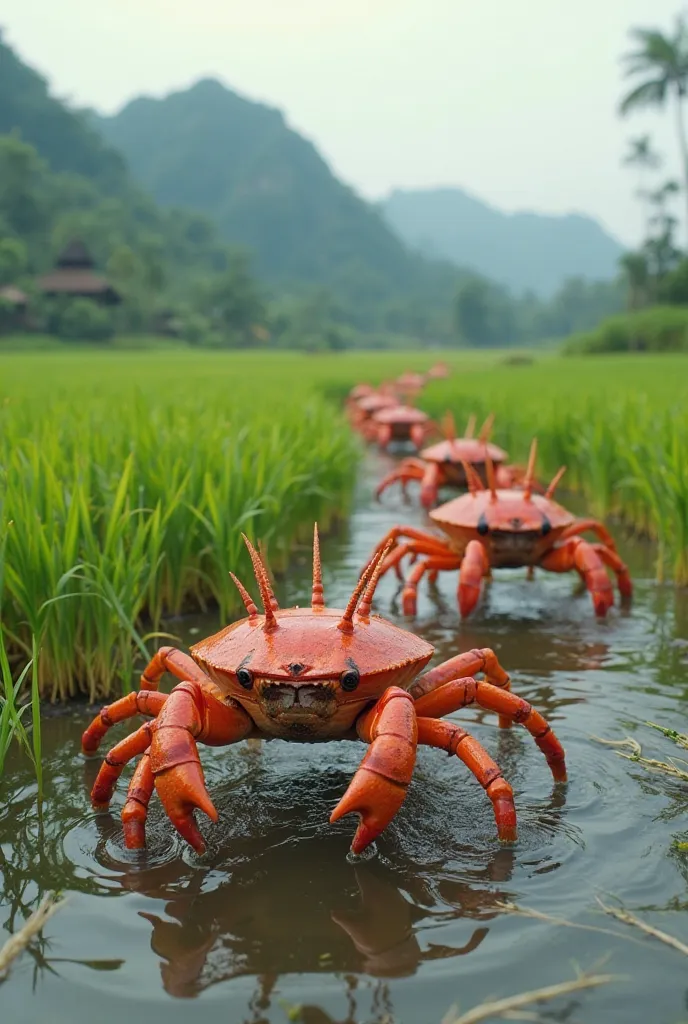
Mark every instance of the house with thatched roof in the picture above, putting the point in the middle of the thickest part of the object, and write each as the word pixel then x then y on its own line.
pixel 75 276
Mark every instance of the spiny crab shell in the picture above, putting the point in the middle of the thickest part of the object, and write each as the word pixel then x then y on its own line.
pixel 370 404
pixel 307 673
pixel 402 414
pixel 308 645
pixel 515 527
pixel 452 453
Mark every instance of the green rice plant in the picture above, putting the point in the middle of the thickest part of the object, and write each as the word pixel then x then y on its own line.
pixel 129 477
pixel 128 504
pixel 12 713
pixel 619 424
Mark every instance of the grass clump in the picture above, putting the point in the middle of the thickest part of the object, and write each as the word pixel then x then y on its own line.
pixel 656 329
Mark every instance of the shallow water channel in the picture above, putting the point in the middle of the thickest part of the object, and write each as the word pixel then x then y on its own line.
pixel 274 916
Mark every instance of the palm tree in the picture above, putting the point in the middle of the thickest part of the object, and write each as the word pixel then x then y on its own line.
pixel 637 273
pixel 661 61
pixel 641 155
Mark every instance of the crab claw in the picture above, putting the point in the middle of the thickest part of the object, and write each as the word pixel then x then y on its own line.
pixel 376 800
pixel 408 600
pixel 378 789
pixel 181 790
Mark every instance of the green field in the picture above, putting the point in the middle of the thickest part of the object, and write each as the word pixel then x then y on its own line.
pixel 126 478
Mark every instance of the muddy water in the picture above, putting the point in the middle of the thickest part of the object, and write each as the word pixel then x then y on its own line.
pixel 274 916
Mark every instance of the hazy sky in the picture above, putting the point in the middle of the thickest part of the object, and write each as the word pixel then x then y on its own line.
pixel 514 101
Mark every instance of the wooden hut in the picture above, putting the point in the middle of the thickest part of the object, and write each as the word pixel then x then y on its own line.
pixel 74 275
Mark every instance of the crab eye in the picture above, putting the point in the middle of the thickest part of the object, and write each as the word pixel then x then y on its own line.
pixel 546 526
pixel 245 678
pixel 350 679
pixel 483 528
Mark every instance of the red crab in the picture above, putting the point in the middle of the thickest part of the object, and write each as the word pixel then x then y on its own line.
pixel 493 527
pixel 398 423
pixel 362 410
pixel 409 385
pixel 442 464
pixel 309 674
pixel 360 391
pixel 440 371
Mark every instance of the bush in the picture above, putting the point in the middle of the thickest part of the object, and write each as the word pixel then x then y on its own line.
pixel 657 329
pixel 85 320
pixel 195 328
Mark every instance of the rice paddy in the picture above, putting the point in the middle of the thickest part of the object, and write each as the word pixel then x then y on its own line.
pixel 620 425
pixel 125 485
pixel 126 479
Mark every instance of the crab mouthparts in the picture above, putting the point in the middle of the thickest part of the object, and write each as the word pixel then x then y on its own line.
pixel 298 701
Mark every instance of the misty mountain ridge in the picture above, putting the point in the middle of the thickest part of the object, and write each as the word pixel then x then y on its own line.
pixel 223 167
pixel 267 188
pixel 524 250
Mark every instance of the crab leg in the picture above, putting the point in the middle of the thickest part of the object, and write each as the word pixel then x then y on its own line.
pixel 429 565
pixel 190 714
pixel 409 469
pixel 623 579
pixel 456 740
pixel 430 485
pixel 135 810
pixel 418 434
pixel 413 548
pixel 169 659
pixel 474 567
pixel 458 693
pixel 384 434
pixel 410 532
pixel 418 542
pixel 595 526
pixel 378 788
pixel 576 553
pixel 115 759
pixel 481 659
pixel 143 702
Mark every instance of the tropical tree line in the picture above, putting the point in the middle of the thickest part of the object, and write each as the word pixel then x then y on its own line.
pixel 175 276
pixel 657 70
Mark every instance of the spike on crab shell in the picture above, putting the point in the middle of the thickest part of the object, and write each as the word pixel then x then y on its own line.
pixel 449 425
pixel 318 597
pixel 491 481
pixel 249 603
pixel 262 552
pixel 530 471
pixel 473 481
pixel 267 597
pixel 346 623
pixel 486 429
pixel 363 611
pixel 549 493
pixel 470 426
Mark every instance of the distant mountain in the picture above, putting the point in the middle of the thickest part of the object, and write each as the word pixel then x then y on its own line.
pixel 81 188
pixel 64 138
pixel 267 188
pixel 524 251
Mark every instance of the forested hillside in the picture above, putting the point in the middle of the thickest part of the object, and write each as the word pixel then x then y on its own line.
pixel 247 237
pixel 268 188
